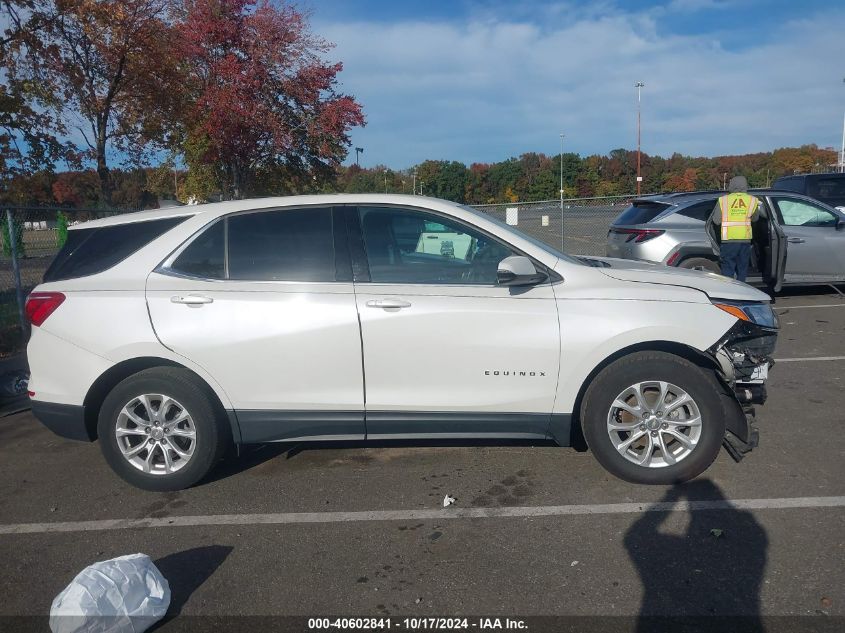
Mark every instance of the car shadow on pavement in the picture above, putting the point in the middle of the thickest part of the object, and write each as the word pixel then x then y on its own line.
pixel 706 575
pixel 186 571
pixel 252 455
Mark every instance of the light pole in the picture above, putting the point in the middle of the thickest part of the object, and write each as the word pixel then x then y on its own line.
pixel 415 182
pixel 842 151
pixel 385 181
pixel 639 86
pixel 561 193
pixel 358 152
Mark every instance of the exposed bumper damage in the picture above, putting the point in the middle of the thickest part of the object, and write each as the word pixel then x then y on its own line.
pixel 744 356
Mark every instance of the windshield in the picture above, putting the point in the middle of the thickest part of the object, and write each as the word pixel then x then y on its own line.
pixel 538 243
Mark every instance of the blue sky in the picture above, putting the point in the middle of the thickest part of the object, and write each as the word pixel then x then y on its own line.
pixel 483 80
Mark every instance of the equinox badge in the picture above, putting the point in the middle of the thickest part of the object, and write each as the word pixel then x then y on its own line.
pixel 496 372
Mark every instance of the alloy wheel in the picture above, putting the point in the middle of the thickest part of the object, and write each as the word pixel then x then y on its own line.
pixel 156 434
pixel 654 424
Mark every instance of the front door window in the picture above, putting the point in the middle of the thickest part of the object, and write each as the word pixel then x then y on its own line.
pixel 411 247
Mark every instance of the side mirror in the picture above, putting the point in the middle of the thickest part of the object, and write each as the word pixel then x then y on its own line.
pixel 840 225
pixel 518 271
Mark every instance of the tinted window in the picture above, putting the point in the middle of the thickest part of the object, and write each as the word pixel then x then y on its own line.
pixel 414 247
pixel 699 211
pixel 640 213
pixel 789 184
pixel 295 245
pixel 801 213
pixel 91 251
pixel 204 257
pixel 830 190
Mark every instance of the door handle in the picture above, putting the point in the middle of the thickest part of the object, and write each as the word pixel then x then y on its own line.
pixel 796 240
pixel 191 300
pixel 388 303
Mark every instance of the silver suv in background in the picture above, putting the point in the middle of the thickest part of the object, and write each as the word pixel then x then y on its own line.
pixel 797 240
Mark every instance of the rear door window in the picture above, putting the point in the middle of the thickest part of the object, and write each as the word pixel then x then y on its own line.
pixel 91 251
pixel 289 245
pixel 640 213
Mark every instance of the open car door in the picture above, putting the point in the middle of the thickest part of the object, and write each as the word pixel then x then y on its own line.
pixel 714 235
pixel 776 259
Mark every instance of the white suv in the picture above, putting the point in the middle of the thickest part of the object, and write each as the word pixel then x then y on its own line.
pixel 172 334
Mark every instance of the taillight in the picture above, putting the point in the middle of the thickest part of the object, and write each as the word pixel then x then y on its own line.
pixel 40 305
pixel 638 235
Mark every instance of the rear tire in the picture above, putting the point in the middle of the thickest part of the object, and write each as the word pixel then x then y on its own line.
pixel 621 433
pixel 694 263
pixel 159 430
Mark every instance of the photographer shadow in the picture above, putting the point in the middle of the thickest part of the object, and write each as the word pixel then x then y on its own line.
pixel 707 578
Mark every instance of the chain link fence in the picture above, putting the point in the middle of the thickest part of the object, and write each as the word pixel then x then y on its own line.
pixel 29 238
pixel 578 228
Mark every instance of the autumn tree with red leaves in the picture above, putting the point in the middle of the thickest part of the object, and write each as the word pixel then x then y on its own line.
pixel 258 95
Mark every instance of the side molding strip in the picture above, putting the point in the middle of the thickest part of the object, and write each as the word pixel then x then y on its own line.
pixel 256 426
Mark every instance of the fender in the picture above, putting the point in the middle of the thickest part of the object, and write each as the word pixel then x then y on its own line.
pixel 685 250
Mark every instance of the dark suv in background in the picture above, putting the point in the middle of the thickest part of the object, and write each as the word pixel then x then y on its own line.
pixel 827 188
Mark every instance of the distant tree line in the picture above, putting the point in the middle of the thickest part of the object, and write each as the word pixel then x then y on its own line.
pixel 535 176
pixel 530 177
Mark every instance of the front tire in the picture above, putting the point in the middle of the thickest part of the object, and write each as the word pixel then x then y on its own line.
pixel 159 430
pixel 654 418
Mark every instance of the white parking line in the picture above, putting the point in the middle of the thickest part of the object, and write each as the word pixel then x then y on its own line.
pixel 286 518
pixel 826 305
pixel 809 358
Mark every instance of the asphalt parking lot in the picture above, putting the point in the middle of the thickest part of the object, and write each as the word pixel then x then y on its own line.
pixel 359 530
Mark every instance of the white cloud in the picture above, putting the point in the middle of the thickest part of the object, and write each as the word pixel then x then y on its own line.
pixel 697 5
pixel 489 88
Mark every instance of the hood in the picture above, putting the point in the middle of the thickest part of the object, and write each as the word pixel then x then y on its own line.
pixel 713 285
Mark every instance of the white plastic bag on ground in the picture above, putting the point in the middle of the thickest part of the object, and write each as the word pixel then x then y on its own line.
pixel 127 593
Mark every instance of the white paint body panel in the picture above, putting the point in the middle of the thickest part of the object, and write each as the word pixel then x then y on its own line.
pixel 296 346
pixel 271 345
pixel 451 348
pixel 60 371
pixel 93 330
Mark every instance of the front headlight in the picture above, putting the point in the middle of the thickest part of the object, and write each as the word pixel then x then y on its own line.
pixel 758 313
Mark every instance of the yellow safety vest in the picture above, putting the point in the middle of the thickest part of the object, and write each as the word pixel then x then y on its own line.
pixel 737 209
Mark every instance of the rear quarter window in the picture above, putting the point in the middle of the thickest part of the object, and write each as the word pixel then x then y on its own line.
pixel 699 211
pixel 641 213
pixel 91 251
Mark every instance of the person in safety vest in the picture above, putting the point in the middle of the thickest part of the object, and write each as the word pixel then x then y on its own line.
pixel 734 213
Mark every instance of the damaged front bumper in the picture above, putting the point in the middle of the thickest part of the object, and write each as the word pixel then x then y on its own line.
pixel 744 357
